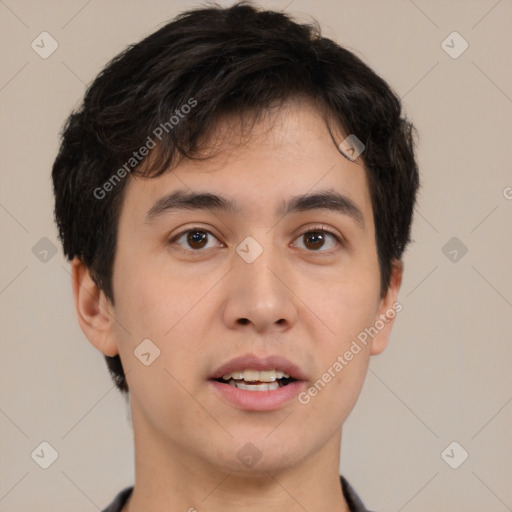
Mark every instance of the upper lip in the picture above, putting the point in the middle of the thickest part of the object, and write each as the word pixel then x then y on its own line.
pixel 252 362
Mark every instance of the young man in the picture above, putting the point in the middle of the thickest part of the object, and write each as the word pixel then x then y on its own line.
pixel 235 195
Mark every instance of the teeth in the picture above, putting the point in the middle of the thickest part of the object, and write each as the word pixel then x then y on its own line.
pixel 267 376
pixel 255 387
pixel 251 375
pixel 256 376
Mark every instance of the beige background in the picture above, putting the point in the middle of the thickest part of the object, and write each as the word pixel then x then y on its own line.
pixel 446 374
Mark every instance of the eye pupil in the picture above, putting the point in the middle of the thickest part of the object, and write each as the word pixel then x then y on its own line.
pixel 316 236
pixel 197 239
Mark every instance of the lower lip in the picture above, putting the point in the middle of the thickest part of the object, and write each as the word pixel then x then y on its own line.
pixel 259 400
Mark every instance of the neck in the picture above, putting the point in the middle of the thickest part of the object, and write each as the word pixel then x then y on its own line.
pixel 170 478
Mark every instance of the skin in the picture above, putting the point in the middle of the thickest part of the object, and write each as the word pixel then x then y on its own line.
pixel 306 304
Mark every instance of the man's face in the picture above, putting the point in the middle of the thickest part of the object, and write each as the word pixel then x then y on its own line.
pixel 191 281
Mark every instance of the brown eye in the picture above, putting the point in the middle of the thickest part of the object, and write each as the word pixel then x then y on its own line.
pixel 195 239
pixel 314 240
pixel 318 240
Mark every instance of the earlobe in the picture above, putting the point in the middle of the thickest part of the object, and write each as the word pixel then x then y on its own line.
pixel 388 309
pixel 94 310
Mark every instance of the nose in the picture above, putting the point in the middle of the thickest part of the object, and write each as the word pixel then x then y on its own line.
pixel 260 294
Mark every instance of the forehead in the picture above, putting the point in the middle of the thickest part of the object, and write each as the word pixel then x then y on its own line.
pixel 287 151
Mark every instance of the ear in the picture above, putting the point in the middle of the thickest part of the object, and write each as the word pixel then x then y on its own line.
pixel 388 309
pixel 94 310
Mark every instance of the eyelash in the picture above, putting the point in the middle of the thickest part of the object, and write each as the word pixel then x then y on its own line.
pixel 315 229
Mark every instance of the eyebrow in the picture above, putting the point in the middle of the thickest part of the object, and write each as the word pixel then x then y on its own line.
pixel 322 200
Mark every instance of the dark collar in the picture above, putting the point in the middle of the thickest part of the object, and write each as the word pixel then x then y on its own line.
pixel 354 502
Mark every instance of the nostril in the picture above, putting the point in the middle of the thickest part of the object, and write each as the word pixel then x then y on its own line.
pixel 243 321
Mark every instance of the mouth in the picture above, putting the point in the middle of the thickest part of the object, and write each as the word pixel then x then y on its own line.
pixel 258 384
pixel 256 380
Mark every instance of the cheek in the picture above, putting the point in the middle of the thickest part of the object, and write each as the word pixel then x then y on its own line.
pixel 165 309
pixel 149 300
pixel 347 306
pixel 150 307
pixel 341 373
pixel 346 309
